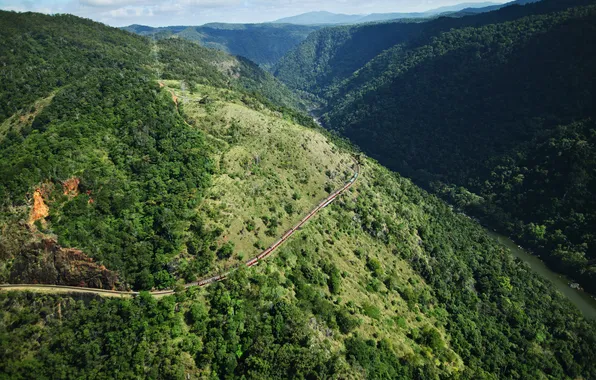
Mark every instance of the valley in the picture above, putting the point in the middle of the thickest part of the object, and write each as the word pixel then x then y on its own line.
pixel 263 44
pixel 490 138
pixel 136 170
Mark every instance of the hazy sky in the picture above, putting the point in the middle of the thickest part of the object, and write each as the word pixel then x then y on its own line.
pixel 197 12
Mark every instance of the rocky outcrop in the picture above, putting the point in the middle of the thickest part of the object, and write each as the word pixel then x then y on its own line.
pixel 45 262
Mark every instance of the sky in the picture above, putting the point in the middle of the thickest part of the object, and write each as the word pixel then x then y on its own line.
pixel 198 12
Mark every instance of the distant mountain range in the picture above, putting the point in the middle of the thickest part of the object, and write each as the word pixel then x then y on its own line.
pixel 264 44
pixel 328 18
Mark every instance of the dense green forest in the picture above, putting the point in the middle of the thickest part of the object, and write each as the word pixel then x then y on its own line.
pixel 332 55
pixel 128 158
pixel 492 111
pixel 263 44
pixel 146 156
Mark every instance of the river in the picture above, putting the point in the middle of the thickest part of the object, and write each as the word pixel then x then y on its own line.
pixel 584 302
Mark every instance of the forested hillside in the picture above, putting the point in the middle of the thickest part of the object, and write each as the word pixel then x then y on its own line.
pixel 153 164
pixel 494 111
pixel 100 153
pixel 263 44
pixel 332 55
pixel 388 282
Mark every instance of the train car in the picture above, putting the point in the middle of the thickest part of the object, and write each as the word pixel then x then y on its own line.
pixel 251 262
pixel 265 252
pixel 261 255
pixel 324 203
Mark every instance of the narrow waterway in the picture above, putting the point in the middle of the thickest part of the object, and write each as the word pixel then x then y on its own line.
pixel 584 302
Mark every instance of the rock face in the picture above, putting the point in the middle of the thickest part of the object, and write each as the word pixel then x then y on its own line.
pixel 45 262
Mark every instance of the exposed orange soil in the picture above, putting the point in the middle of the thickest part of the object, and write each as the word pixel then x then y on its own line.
pixel 71 186
pixel 40 210
pixel 174 98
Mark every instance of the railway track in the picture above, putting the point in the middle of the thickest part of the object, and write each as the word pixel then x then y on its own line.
pixel 205 281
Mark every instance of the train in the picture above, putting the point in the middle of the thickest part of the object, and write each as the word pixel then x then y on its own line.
pixel 287 234
pixel 250 263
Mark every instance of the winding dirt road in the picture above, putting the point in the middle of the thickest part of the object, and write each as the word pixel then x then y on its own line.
pixel 203 282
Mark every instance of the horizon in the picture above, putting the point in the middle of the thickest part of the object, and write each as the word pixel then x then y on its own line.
pixel 160 13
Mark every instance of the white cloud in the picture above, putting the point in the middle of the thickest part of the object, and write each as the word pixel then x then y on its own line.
pixel 130 12
pixel 15 8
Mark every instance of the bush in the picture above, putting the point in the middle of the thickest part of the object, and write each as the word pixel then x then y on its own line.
pixel 371 311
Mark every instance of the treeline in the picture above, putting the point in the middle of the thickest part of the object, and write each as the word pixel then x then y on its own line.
pixel 464 107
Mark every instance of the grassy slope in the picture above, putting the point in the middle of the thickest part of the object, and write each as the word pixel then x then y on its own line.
pixel 24 117
pixel 266 167
pixel 181 59
pixel 382 219
pixel 243 191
